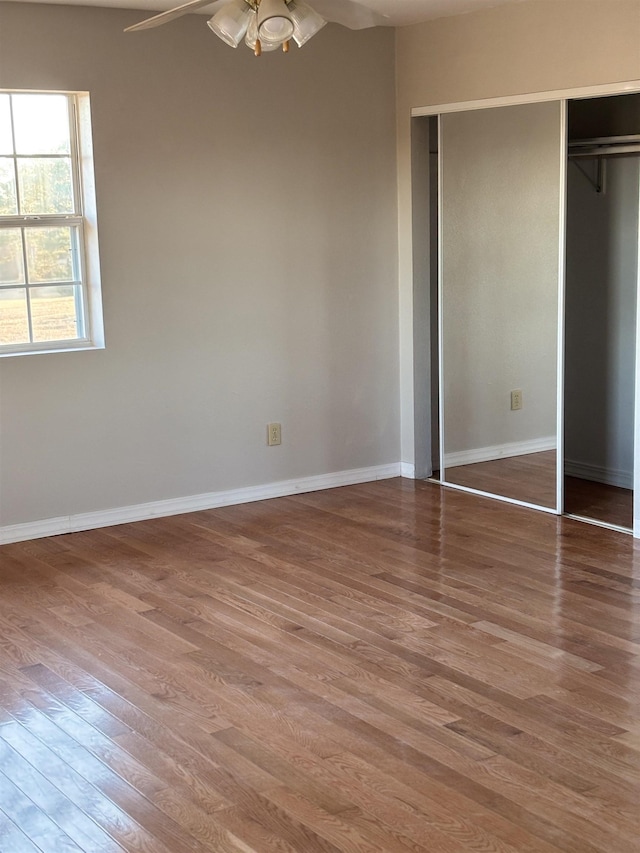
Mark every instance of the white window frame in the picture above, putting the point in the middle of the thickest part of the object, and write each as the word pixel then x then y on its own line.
pixel 85 223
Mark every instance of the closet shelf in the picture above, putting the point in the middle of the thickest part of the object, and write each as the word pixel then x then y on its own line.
pixel 605 146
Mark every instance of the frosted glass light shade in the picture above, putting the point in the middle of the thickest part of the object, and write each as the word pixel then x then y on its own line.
pixel 231 22
pixel 274 21
pixel 252 37
pixel 306 22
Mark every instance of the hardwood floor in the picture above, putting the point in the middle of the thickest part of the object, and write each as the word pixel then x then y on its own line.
pixel 384 667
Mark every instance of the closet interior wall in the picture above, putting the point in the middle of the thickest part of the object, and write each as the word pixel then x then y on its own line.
pixel 600 314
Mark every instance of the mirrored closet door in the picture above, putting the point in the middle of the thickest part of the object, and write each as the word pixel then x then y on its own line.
pixel 501 186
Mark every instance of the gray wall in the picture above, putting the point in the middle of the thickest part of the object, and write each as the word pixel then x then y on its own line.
pixel 247 215
pixel 602 276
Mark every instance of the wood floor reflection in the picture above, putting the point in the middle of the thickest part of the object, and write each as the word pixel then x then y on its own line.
pixel 610 504
pixel 530 478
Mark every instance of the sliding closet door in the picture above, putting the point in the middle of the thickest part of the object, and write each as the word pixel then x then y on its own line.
pixel 502 173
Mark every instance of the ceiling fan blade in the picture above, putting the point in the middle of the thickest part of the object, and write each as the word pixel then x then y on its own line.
pixel 348 13
pixel 172 14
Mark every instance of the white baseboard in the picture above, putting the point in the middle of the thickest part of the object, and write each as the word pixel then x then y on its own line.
pixel 408 470
pixel 499 451
pixel 598 474
pixel 192 503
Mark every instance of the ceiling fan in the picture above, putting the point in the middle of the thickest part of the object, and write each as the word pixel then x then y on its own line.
pixel 267 25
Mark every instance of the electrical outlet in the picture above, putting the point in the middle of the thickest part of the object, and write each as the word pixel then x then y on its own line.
pixel 516 401
pixel 274 435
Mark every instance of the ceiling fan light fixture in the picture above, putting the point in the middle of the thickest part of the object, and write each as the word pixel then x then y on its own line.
pixel 306 22
pixel 232 21
pixel 275 24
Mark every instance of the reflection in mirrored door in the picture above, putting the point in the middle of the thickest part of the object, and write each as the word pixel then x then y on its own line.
pixel 501 173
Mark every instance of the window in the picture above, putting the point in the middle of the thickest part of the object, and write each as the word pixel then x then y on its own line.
pixel 49 271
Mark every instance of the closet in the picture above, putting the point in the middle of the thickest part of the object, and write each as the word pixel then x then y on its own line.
pixel 526 249
pixel 603 199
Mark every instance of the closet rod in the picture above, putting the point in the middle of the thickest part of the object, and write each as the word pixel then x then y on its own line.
pixel 605 140
pixel 605 151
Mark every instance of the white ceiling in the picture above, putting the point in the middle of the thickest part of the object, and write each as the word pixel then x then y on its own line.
pixel 397 12
pixel 402 12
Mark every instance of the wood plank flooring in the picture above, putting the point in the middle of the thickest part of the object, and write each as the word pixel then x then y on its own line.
pixel 385 667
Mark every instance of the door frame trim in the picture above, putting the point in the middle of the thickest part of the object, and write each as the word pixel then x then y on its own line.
pixel 628 87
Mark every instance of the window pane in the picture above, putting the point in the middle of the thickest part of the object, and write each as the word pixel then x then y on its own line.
pixel 45 186
pixel 6 141
pixel 8 199
pixel 50 254
pixel 11 257
pixel 53 313
pixel 14 325
pixel 41 124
